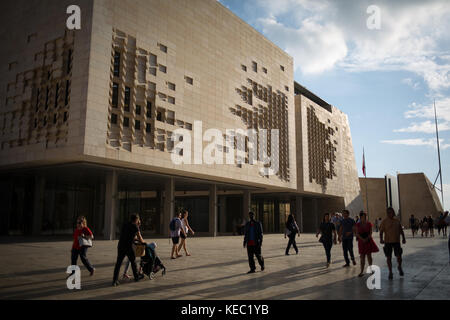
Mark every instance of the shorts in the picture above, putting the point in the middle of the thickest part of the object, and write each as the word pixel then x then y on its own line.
pixel 175 240
pixel 388 247
pixel 182 235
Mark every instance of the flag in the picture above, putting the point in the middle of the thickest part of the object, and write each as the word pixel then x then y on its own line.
pixel 364 165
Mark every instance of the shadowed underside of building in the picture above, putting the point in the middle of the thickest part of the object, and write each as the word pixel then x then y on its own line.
pixel 89 119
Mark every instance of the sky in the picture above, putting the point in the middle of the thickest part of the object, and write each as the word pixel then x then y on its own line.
pixel 383 66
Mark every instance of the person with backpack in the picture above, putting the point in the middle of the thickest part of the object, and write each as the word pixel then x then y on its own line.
pixel 175 228
pixel 291 230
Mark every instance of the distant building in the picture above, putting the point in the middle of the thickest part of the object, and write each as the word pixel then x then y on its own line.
pixel 415 194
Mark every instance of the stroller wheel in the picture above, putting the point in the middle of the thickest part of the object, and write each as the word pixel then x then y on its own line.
pixel 152 276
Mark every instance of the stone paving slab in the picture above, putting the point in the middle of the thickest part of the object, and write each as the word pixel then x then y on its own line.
pixel 217 270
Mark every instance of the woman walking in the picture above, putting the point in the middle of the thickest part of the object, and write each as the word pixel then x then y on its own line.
pixel 291 230
pixel 82 232
pixel 186 227
pixel 366 245
pixel 328 232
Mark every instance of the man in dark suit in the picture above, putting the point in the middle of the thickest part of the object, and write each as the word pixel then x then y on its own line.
pixel 253 238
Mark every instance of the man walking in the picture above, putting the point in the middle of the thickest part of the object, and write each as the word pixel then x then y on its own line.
pixel 392 228
pixel 253 238
pixel 130 231
pixel 346 237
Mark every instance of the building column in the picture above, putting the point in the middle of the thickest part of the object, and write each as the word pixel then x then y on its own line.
pixel 111 205
pixel 223 214
pixel 168 205
pixel 315 204
pixel 39 194
pixel 299 212
pixel 213 210
pixel 246 204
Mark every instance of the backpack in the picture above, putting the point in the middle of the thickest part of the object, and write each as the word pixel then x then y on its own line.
pixel 173 224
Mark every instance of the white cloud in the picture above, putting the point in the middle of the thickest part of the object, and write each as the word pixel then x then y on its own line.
pixel 425 127
pixel 427 111
pixel 413 37
pixel 411 83
pixel 314 47
pixel 418 142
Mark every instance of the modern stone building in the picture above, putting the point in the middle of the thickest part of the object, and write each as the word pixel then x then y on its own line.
pixel 415 193
pixel 90 120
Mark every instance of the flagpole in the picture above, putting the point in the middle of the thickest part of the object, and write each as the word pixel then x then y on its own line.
pixel 365 180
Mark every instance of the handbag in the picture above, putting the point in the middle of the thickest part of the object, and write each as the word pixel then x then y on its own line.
pixel 287 232
pixel 139 249
pixel 84 242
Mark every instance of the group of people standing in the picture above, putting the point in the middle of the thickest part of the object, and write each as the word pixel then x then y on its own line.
pixel 390 232
pixel 428 224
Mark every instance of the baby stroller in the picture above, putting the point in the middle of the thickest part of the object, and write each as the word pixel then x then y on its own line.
pixel 150 263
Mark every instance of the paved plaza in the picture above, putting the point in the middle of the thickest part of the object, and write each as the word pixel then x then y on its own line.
pixel 217 270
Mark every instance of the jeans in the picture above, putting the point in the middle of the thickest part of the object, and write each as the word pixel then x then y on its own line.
pixel 347 246
pixel 292 242
pixel 121 254
pixel 254 251
pixel 328 245
pixel 82 252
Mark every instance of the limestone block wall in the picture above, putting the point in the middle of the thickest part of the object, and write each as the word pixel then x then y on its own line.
pixel 376 195
pixel 181 62
pixel 325 153
pixel 417 197
pixel 43 82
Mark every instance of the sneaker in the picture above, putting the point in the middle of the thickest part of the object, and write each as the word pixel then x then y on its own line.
pixel 164 271
pixel 361 275
pixel 251 271
pixel 400 271
pixel 92 272
pixel 115 283
pixel 391 276
pixel 328 264
pixel 125 276
pixel 286 254
pixel 346 265
pixel 354 262
pixel 262 268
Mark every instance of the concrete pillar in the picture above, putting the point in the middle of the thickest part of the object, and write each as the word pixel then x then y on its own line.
pixel 299 211
pixel 111 204
pixel 39 194
pixel 213 210
pixel 223 214
pixel 315 204
pixel 168 205
pixel 247 204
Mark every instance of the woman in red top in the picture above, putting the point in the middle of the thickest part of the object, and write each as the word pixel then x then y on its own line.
pixel 366 245
pixel 83 231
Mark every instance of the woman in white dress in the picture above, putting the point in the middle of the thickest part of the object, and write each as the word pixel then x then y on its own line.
pixel 185 225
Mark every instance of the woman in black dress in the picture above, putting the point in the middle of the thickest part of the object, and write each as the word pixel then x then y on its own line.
pixel 328 232
pixel 291 230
